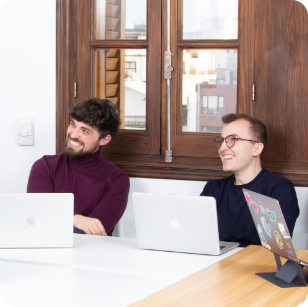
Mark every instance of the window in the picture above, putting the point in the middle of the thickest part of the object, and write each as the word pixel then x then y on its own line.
pixel 130 66
pixel 216 59
pixel 215 105
pixel 211 129
pixel 124 64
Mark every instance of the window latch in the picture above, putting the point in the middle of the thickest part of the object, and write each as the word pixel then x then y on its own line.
pixel 168 156
pixel 253 92
pixel 167 65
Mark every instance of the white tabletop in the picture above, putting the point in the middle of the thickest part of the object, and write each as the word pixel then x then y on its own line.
pixel 97 271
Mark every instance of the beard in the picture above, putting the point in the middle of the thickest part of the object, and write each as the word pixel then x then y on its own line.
pixel 81 153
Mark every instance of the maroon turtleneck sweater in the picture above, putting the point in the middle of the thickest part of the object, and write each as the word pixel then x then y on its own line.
pixel 100 188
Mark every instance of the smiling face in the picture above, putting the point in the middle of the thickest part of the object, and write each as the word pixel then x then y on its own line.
pixel 244 155
pixel 82 139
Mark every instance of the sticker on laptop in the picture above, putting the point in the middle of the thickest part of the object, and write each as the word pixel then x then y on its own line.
pixel 278 240
pixel 247 196
pixel 266 226
pixel 290 253
pixel 283 231
pixel 289 245
pixel 271 214
pixel 263 240
pixel 266 245
pixel 261 207
pixel 255 206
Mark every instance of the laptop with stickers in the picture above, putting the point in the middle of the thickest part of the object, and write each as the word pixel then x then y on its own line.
pixel 272 230
pixel 178 223
pixel 36 220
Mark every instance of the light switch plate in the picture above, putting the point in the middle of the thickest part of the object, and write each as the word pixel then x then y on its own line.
pixel 24 131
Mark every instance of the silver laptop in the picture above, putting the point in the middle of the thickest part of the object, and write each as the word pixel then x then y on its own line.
pixel 178 223
pixel 36 220
pixel 271 225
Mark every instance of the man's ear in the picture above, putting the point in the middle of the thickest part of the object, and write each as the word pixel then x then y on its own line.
pixel 258 149
pixel 105 140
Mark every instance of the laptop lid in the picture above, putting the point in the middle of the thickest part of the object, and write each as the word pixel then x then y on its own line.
pixel 177 223
pixel 36 220
pixel 270 224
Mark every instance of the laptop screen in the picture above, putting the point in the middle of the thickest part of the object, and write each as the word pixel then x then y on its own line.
pixel 270 224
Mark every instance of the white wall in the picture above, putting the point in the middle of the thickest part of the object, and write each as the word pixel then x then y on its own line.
pixel 135 94
pixel 27 85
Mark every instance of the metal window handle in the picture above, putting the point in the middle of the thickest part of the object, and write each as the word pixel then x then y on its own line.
pixel 167 65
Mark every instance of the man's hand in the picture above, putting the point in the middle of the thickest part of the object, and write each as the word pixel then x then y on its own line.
pixel 89 225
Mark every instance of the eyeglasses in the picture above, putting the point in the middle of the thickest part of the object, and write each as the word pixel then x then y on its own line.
pixel 230 140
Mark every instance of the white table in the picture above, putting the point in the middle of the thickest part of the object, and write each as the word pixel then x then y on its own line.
pixel 97 271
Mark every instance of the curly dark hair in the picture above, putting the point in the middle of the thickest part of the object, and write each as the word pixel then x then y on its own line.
pixel 257 128
pixel 98 113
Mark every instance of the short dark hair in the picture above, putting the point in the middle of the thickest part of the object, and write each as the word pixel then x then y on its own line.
pixel 98 113
pixel 257 128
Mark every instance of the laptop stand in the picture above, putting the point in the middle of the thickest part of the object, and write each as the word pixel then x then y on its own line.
pixel 285 274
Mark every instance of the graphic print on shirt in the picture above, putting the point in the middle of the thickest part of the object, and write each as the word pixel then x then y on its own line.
pixel 278 240
pixel 271 214
pixel 255 206
pixel 266 226
pixel 261 207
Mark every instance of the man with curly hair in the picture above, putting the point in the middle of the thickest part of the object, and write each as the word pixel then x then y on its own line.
pixel 100 188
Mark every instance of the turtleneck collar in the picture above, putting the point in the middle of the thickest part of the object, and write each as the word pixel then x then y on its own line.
pixel 91 160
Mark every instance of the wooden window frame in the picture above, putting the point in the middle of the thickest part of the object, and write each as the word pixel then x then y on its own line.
pixel 151 163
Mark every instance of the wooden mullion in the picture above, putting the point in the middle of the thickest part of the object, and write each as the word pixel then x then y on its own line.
pixel 215 44
pixel 154 69
pixel 119 44
pixel 246 55
pixel 163 136
pixel 174 82
pixel 62 71
pixel 83 53
pixel 94 20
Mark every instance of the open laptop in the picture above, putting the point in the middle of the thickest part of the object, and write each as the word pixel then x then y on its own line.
pixel 36 220
pixel 271 225
pixel 178 223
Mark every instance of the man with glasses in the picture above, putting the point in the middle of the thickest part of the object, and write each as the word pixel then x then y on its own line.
pixel 242 141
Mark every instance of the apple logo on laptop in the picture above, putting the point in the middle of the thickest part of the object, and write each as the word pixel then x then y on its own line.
pixel 175 224
pixel 31 220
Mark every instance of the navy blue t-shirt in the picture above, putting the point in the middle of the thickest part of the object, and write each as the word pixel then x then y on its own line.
pixel 234 219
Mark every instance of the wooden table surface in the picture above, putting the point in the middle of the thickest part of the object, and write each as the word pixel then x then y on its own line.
pixel 231 282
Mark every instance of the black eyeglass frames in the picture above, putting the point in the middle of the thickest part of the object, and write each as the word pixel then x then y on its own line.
pixel 230 140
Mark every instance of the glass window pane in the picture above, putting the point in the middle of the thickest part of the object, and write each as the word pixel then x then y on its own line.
pixel 121 19
pixel 208 95
pixel 221 102
pixel 213 102
pixel 210 19
pixel 120 76
pixel 204 100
